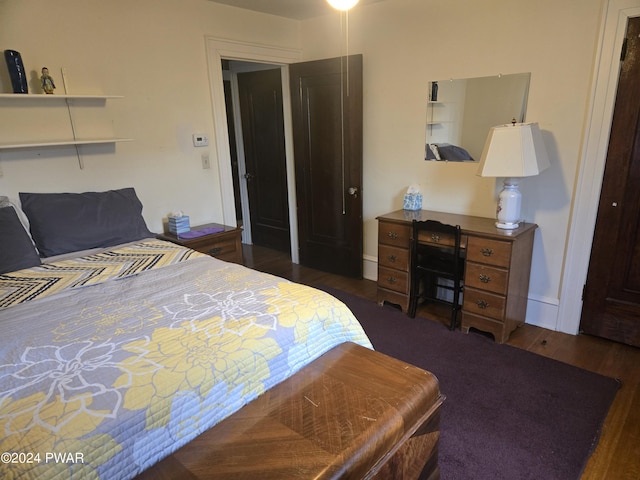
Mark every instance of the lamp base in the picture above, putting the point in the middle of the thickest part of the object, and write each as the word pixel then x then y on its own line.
pixel 508 211
pixel 507 226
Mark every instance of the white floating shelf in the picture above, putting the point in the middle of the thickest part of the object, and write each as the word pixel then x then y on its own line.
pixel 60 143
pixel 67 100
pixel 37 96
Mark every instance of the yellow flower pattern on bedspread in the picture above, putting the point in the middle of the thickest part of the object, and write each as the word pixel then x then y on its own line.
pixel 116 373
pixel 199 359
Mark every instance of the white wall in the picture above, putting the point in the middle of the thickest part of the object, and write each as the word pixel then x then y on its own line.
pixel 406 43
pixel 153 53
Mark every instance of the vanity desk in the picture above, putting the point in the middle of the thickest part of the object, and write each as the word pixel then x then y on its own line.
pixel 497 268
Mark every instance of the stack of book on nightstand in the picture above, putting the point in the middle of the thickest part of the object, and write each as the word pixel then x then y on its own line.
pixel 178 225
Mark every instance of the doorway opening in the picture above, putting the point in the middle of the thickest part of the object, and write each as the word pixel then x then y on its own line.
pixel 255 123
pixel 217 50
pixel 337 151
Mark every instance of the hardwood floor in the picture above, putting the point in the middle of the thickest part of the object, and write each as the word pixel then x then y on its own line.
pixel 617 455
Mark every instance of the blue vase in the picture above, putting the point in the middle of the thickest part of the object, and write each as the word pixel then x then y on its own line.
pixel 16 71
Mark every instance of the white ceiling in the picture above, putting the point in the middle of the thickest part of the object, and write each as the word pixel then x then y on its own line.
pixel 296 9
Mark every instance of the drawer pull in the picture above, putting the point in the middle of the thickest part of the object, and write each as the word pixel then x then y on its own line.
pixel 392 258
pixel 482 304
pixel 487 252
pixel 392 235
pixel 215 251
pixel 485 278
pixel 391 280
pixel 435 237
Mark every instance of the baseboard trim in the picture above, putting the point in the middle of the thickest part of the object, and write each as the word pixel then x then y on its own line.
pixel 543 312
pixel 370 267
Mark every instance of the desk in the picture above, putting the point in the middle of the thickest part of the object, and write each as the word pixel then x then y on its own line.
pixel 497 268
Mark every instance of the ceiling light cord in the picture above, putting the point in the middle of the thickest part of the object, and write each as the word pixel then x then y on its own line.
pixel 343 29
pixel 343 6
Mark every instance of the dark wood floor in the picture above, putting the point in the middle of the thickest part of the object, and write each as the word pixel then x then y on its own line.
pixel 617 455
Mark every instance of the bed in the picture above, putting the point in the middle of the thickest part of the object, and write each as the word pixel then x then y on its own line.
pixel 118 348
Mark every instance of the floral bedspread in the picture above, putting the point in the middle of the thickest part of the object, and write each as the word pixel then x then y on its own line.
pixel 103 378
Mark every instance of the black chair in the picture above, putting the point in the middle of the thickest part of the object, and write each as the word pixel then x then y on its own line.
pixel 437 262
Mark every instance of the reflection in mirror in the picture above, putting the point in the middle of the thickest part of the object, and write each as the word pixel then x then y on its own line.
pixel 460 113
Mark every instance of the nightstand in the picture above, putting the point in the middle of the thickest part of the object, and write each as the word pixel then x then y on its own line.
pixel 224 245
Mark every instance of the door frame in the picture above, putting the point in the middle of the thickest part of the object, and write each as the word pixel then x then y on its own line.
pixel 615 16
pixel 218 49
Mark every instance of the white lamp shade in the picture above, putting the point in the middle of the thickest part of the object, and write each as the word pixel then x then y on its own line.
pixel 342 4
pixel 513 150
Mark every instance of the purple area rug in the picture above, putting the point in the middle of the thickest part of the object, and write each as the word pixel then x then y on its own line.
pixel 508 414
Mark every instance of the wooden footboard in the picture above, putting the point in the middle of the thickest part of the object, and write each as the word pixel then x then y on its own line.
pixel 352 413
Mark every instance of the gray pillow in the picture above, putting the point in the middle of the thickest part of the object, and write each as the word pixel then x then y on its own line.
pixel 446 151
pixel 68 222
pixel 16 249
pixel 453 152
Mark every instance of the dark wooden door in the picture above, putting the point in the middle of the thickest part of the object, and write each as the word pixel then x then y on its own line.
pixel 326 102
pixel 266 171
pixel 611 307
pixel 233 150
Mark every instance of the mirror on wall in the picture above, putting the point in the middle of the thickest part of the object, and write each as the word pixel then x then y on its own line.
pixel 461 112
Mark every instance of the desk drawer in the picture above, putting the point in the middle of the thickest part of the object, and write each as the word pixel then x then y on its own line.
pixel 433 238
pixel 484 303
pixel 485 277
pixel 488 251
pixel 395 280
pixel 394 234
pixel 393 257
pixel 436 238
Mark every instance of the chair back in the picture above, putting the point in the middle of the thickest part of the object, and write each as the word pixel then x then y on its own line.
pixel 430 234
pixel 436 254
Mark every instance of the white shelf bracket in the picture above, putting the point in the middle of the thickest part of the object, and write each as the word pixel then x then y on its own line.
pixel 71 120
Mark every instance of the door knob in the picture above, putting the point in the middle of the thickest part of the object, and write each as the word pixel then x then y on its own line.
pixel 353 191
pixel 248 176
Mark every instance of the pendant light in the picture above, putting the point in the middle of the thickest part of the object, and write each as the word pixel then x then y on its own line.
pixel 342 4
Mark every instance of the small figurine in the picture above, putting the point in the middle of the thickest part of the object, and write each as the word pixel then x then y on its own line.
pixel 47 81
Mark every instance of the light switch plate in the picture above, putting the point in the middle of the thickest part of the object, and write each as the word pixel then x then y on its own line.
pixel 206 164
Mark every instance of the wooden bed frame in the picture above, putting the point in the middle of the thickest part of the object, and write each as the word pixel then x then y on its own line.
pixel 352 413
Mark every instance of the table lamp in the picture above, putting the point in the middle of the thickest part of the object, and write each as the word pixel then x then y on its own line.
pixel 511 151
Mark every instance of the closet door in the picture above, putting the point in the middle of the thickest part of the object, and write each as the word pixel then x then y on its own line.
pixel 260 95
pixel 611 307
